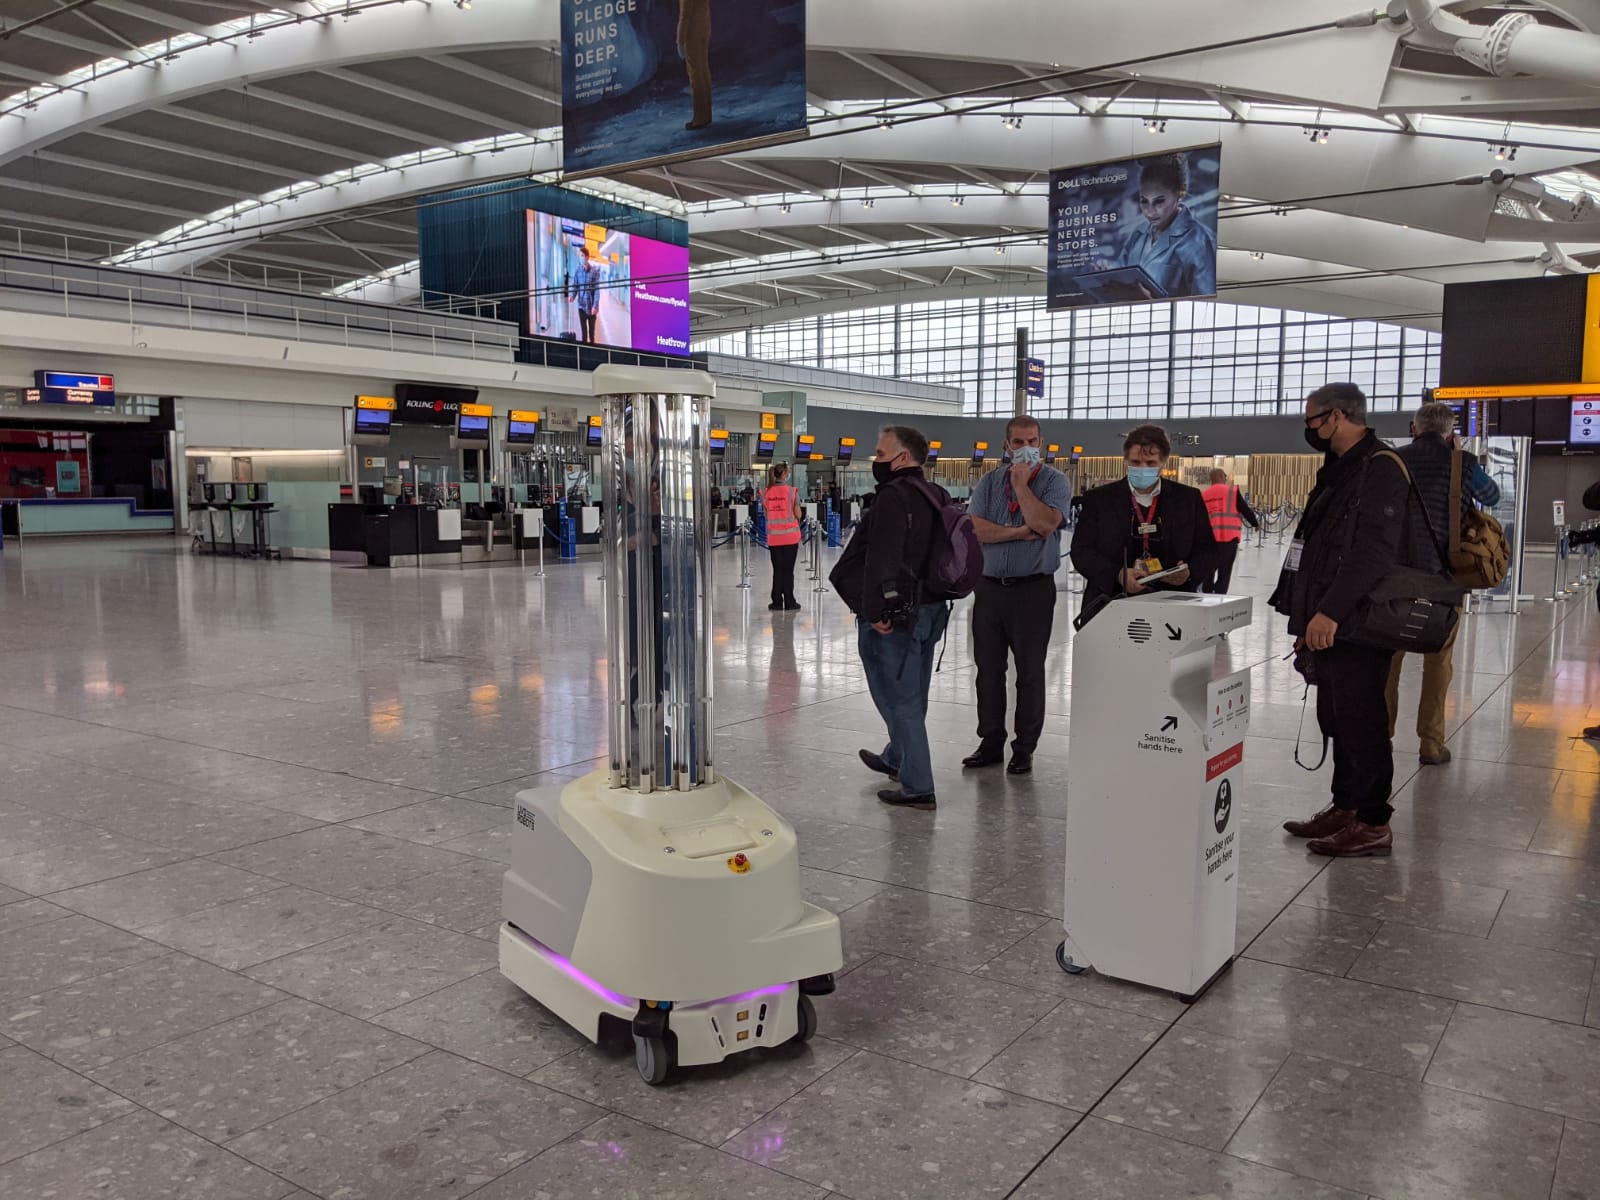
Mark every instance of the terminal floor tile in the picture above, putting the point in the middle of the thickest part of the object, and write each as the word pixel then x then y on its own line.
pixel 252 825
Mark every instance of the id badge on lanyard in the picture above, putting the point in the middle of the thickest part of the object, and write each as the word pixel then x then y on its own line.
pixel 1291 561
pixel 1144 524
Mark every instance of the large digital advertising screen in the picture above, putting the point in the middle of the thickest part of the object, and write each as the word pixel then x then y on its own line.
pixel 602 287
pixel 647 81
pixel 1135 230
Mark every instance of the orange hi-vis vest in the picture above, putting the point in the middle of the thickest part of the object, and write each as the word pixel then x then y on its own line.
pixel 1222 502
pixel 783 523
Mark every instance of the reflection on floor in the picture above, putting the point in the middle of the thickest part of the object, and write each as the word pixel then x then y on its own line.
pixel 252 818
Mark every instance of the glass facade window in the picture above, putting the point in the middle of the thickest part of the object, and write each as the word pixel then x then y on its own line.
pixel 1195 358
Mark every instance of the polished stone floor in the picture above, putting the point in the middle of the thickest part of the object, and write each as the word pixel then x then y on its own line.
pixel 252 820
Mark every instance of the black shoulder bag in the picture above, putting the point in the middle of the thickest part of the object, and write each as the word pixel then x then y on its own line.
pixel 1409 609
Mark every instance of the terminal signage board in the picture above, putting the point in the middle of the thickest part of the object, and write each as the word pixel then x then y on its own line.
pixel 1033 379
pixel 437 411
pixel 91 389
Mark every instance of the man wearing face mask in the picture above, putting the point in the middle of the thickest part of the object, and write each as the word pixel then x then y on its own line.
pixel 1018 512
pixel 1352 534
pixel 1141 525
pixel 898 622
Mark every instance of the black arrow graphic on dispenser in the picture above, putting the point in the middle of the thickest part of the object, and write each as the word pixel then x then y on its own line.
pixel 1169 723
pixel 1174 635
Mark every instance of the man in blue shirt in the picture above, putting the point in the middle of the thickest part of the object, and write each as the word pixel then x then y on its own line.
pixel 1018 512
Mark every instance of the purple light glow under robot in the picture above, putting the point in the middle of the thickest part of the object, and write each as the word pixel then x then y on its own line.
pixel 566 967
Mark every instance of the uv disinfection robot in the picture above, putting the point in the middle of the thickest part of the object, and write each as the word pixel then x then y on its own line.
pixel 1154 778
pixel 657 892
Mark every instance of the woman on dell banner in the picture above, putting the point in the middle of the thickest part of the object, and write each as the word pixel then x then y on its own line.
pixel 1176 251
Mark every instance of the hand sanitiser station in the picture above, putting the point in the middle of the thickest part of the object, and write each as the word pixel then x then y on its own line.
pixel 657 892
pixel 1153 784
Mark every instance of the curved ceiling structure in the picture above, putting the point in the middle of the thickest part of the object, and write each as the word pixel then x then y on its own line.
pixel 287 141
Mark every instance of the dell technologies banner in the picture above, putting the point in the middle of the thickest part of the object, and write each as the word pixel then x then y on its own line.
pixel 1135 230
pixel 648 81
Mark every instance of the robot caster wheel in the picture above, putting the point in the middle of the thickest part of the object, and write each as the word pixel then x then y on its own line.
pixel 1064 961
pixel 808 1021
pixel 654 1058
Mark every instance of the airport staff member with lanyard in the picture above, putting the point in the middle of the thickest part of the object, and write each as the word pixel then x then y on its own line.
pixel 1141 525
pixel 1018 512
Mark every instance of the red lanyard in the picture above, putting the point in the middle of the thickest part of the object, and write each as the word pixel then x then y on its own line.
pixel 1141 519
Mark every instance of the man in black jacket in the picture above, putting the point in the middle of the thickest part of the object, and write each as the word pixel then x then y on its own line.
pixel 1585 537
pixel 1352 534
pixel 1429 458
pixel 898 625
pixel 1142 524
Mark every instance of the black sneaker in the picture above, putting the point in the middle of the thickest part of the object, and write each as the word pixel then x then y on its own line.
pixel 898 798
pixel 791 605
pixel 874 762
pixel 774 607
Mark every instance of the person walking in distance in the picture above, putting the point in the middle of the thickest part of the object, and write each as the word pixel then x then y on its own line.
pixel 1018 512
pixel 1429 459
pixel 782 503
pixel 1352 534
pixel 898 625
pixel 1230 513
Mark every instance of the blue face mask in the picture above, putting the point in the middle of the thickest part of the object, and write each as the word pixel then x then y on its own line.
pixel 1027 456
pixel 1144 478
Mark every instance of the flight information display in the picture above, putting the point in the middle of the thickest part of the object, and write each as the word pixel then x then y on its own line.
pixel 522 428
pixel 472 427
pixel 602 287
pixel 373 420
pixel 933 451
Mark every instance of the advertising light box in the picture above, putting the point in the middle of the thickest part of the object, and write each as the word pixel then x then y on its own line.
pixel 603 287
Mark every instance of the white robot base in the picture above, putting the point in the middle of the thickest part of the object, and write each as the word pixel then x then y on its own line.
pixel 677 912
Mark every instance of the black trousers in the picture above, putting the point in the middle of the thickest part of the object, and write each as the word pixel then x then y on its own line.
pixel 1353 711
pixel 1222 570
pixel 586 324
pixel 1012 620
pixel 783 559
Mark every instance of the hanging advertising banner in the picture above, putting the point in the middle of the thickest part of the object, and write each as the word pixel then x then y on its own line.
pixel 1135 230
pixel 645 82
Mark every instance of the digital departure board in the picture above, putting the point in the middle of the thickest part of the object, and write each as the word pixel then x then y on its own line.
pixel 596 430
pixel 717 439
pixel 805 446
pixel 980 451
pixel 374 421
pixel 522 428
pixel 766 445
pixel 847 449
pixel 933 451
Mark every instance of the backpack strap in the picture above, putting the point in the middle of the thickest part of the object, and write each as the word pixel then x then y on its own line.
pixel 1455 502
pixel 1411 484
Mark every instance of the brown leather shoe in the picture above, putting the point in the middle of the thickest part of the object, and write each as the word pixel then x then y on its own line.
pixel 1326 823
pixel 1436 759
pixel 1356 840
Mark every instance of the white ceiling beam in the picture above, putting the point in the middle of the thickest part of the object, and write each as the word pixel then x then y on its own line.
pixel 156 17
pixel 697 184
pixel 508 82
pixel 789 183
pixel 124 172
pixel 913 86
pixel 843 282
pixel 163 146
pixel 100 50
pixel 411 96
pixel 883 177
pixel 988 180
pixel 30 188
pixel 1237 108
pixel 342 115
pixel 241 129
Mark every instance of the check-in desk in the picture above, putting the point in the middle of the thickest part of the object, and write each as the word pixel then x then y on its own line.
pixel 395 535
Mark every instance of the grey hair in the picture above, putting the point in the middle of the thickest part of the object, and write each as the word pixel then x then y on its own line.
pixel 1436 417
pixel 911 441
pixel 1340 397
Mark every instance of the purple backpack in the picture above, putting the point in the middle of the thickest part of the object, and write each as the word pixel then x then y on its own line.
pixel 955 560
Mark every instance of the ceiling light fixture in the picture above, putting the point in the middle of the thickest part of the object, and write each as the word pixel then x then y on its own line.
pixel 868 202
pixel 957 201
pixel 1257 255
pixel 464 5
pixel 1503 151
pixel 885 124
pixel 1316 134
pixel 1012 122
pixel 784 208
pixel 1155 125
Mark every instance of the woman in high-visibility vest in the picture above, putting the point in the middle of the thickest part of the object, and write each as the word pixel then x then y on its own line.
pixel 782 504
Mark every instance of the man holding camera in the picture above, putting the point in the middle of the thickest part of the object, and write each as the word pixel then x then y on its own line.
pixel 898 626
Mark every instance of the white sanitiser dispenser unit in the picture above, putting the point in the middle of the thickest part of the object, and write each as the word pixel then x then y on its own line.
pixel 657 892
pixel 1153 784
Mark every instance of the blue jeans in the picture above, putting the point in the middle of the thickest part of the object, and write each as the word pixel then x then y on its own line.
pixel 899 667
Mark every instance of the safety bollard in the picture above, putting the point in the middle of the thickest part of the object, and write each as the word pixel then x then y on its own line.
pixel 816 562
pixel 743 535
